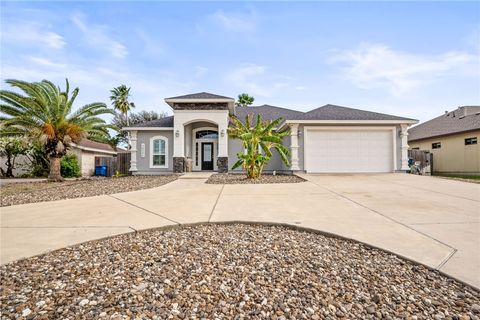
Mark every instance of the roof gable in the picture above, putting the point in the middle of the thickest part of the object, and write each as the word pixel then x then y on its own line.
pixel 200 95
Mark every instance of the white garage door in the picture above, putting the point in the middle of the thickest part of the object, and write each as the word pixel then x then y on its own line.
pixel 353 150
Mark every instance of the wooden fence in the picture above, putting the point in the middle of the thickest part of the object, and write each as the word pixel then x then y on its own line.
pixel 423 160
pixel 120 163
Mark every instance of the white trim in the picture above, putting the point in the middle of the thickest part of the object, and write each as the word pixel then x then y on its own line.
pixel 150 153
pixel 325 128
pixel 194 150
pixel 147 128
pixel 92 149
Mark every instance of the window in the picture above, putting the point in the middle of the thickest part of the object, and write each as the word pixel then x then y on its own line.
pixel 159 152
pixel 416 148
pixel 207 134
pixel 470 141
pixel 436 145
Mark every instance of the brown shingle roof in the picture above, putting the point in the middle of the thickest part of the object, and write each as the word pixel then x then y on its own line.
pixel 463 119
pixel 95 145
pixel 200 95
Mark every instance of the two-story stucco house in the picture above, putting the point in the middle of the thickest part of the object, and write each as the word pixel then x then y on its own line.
pixel 327 139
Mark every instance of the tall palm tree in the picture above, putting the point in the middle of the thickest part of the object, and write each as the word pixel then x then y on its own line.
pixel 244 100
pixel 43 111
pixel 119 98
pixel 258 139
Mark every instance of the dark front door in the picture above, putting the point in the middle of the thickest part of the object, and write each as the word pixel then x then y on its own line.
pixel 207 155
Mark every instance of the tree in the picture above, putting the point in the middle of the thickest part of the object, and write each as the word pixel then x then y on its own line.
pixel 244 100
pixel 119 98
pixel 119 121
pixel 11 148
pixel 43 111
pixel 257 141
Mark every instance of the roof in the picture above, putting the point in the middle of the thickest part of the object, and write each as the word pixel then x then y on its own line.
pixel 333 112
pixel 200 95
pixel 268 112
pixel 85 143
pixel 449 123
pixel 162 122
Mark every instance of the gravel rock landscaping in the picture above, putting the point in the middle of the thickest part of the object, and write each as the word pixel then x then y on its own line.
pixel 234 178
pixel 229 272
pixel 20 193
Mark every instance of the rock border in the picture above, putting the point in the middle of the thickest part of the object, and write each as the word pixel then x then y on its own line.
pixel 241 178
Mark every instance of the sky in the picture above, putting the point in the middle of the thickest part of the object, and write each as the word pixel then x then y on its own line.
pixel 412 59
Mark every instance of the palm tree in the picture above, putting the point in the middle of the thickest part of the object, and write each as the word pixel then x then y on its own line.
pixel 119 98
pixel 244 100
pixel 44 112
pixel 257 141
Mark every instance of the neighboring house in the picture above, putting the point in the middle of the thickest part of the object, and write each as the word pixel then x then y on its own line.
pixel 452 138
pixel 327 139
pixel 87 150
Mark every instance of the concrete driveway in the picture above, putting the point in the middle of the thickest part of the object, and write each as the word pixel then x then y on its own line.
pixel 430 220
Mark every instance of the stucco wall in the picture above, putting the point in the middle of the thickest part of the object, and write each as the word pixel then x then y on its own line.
pixel 86 160
pixel 143 163
pixel 453 156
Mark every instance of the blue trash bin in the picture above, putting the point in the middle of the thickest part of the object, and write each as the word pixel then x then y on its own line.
pixel 101 171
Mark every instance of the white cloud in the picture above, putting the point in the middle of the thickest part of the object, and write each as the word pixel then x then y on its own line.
pixel 200 71
pixel 378 66
pixel 29 33
pixel 259 80
pixel 235 21
pixel 45 62
pixel 97 36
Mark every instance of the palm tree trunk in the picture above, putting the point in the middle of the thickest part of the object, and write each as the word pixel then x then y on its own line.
pixel 55 174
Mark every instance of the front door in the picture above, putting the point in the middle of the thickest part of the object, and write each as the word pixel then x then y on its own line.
pixel 207 155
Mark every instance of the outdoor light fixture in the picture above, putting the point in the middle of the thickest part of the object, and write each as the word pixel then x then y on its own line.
pixel 177 133
pixel 222 132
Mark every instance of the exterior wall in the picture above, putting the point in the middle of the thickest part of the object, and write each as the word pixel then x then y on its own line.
pixel 86 160
pixel 454 156
pixel 22 165
pixel 143 163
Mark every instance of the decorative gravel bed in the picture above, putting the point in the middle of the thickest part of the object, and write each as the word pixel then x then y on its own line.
pixel 234 178
pixel 229 272
pixel 20 193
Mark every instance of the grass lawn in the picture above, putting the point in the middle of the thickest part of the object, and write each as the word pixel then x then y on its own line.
pixel 467 178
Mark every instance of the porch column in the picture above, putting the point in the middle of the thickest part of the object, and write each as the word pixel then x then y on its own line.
pixel 222 157
pixel 133 151
pixel 404 138
pixel 294 163
pixel 178 147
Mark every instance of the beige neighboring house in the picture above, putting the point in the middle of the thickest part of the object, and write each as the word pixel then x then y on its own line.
pixel 453 140
pixel 87 150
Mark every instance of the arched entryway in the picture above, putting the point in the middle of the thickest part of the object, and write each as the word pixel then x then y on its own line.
pixel 204 148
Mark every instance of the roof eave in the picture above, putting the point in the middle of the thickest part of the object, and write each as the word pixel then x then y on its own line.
pixel 443 135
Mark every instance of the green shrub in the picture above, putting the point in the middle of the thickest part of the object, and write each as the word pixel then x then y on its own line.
pixel 69 166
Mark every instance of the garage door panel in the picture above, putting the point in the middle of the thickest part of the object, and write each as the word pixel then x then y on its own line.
pixel 346 151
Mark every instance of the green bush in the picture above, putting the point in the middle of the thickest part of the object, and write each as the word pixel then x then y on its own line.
pixel 69 166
